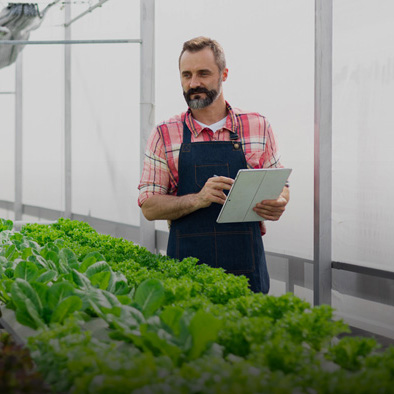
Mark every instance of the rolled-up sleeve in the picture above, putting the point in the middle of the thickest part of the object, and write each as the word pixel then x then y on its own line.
pixel 155 175
pixel 270 157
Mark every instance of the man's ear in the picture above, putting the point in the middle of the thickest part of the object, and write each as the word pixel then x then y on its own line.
pixel 224 74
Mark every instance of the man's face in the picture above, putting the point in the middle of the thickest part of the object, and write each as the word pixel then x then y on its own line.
pixel 200 78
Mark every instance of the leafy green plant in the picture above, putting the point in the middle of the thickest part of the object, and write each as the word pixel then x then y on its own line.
pixel 350 352
pixel 43 289
pixel 6 224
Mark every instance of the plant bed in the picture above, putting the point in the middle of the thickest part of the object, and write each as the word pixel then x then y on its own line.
pixel 108 316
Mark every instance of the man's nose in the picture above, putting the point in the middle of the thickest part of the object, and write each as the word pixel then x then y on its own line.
pixel 194 82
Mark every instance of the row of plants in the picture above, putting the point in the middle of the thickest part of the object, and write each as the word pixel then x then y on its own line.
pixel 107 315
pixel 189 277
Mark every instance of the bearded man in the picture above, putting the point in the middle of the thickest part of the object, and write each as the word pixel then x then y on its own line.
pixel 191 161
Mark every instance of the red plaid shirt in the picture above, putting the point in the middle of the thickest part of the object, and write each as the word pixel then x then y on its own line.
pixel 160 172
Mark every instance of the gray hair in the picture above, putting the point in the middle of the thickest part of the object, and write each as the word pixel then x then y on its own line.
pixel 198 43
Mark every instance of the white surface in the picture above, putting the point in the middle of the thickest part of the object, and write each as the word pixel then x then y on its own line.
pixel 367 315
pixel 269 47
pixel 270 55
pixel 249 188
pixel 363 139
pixel 268 68
pixel 277 288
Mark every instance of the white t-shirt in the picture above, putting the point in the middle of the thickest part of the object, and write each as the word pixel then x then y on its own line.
pixel 215 126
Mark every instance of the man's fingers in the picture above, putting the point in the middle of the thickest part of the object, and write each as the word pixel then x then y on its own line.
pixel 268 208
pixel 213 191
pixel 220 182
pixel 218 196
pixel 281 202
pixel 269 212
pixel 218 200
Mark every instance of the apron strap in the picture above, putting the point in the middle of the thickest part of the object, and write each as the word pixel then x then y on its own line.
pixel 187 134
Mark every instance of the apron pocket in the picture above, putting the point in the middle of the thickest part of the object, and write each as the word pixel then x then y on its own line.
pixel 235 252
pixel 204 172
pixel 200 245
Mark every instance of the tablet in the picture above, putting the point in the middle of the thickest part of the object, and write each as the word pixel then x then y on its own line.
pixel 249 188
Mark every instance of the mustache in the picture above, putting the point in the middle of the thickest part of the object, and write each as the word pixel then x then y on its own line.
pixel 210 93
pixel 197 90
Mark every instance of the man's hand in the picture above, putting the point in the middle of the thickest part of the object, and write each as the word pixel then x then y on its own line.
pixel 213 191
pixel 166 207
pixel 273 209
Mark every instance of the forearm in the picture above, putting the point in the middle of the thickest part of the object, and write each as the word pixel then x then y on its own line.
pixel 166 207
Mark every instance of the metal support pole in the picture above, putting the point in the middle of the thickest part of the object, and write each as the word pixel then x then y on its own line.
pixel 67 116
pixel 18 136
pixel 323 152
pixel 147 103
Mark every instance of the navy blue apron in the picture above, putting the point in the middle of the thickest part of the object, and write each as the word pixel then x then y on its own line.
pixel 236 247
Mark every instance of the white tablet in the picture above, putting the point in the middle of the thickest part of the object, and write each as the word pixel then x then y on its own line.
pixel 249 188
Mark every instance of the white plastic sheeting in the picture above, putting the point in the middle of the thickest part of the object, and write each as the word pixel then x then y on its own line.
pixel 42 125
pixel 363 139
pixel 270 54
pixel 269 47
pixel 105 116
pixel 7 133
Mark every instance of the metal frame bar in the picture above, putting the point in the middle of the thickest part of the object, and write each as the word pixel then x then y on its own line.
pixel 90 9
pixel 359 269
pixel 7 205
pixel 147 103
pixel 323 152
pixel 67 118
pixel 64 42
pixel 18 137
pixel 133 232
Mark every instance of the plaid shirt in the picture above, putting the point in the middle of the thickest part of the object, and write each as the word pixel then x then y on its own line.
pixel 160 172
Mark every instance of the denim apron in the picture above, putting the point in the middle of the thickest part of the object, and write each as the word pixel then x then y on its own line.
pixel 236 247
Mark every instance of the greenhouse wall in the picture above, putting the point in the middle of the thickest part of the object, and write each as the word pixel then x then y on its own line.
pixel 270 51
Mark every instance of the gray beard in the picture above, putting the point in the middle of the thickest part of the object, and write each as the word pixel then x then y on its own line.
pixel 201 102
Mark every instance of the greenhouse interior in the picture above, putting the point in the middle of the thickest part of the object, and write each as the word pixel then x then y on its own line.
pixel 92 301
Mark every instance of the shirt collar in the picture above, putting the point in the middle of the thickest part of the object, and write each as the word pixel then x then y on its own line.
pixel 195 128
